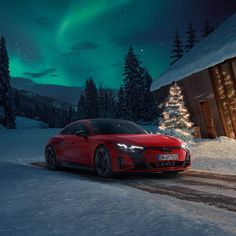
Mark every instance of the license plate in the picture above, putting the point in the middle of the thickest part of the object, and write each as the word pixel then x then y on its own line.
pixel 167 157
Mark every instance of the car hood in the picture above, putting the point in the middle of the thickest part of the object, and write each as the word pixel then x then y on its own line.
pixel 151 140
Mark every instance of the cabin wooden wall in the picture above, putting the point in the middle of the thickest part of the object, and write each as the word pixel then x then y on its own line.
pixel 197 89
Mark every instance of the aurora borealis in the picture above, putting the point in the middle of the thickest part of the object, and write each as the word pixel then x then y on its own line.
pixel 65 41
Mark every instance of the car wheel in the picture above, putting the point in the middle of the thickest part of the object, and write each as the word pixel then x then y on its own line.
pixel 50 158
pixel 103 162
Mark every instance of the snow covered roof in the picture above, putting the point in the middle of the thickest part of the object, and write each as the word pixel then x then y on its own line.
pixel 214 49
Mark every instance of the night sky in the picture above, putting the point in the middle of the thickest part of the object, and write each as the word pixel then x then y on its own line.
pixel 65 41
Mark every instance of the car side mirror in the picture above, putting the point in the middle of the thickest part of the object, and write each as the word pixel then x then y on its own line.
pixel 82 133
pixel 149 132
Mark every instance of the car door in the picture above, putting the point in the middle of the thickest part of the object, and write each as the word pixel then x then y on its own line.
pixel 67 139
pixel 79 147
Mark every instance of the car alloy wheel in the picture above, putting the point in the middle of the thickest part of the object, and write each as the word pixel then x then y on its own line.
pixel 103 162
pixel 50 158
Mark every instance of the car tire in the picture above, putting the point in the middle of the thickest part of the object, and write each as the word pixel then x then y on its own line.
pixel 50 158
pixel 102 162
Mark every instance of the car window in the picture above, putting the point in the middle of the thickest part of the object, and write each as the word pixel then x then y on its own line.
pixel 115 127
pixel 80 127
pixel 71 129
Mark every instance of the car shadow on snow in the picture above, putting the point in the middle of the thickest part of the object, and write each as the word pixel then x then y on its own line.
pixel 116 177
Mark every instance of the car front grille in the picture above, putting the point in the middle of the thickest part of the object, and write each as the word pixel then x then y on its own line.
pixel 141 164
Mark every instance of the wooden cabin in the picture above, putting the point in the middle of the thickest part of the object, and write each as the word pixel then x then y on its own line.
pixel 207 76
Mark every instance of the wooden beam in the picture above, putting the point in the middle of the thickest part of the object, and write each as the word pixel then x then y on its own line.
pixel 231 113
pixel 232 74
pixel 218 103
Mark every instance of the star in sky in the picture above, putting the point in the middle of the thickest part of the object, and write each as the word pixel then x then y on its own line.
pixel 74 39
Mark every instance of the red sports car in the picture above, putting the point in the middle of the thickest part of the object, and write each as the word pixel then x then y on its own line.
pixel 109 146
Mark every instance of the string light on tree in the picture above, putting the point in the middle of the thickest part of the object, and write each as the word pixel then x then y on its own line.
pixel 175 115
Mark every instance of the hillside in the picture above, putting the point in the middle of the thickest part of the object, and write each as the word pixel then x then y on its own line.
pixel 64 93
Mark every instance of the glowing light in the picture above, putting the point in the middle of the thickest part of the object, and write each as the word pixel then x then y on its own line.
pixel 80 13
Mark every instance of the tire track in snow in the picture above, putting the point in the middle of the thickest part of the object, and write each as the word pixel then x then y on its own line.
pixel 167 184
pixel 217 200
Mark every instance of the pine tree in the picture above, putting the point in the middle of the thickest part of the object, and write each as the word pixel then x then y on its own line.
pixel 17 101
pixel 148 106
pixel 81 107
pixel 110 103
pixel 6 92
pixel 107 102
pixel 177 52
pixel 45 114
pixel 132 90
pixel 91 99
pixel 191 37
pixel 72 113
pixel 134 100
pixel 175 115
pixel 2 115
pixel 121 108
pixel 102 96
pixel 207 29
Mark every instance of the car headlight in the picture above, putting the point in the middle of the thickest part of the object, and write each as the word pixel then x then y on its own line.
pixel 185 146
pixel 132 148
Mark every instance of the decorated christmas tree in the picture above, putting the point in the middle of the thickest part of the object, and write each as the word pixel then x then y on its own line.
pixel 175 114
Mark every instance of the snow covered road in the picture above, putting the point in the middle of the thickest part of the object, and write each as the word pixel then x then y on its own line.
pixel 35 201
pixel 213 189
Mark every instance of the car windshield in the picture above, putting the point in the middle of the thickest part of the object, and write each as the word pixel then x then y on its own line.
pixel 116 127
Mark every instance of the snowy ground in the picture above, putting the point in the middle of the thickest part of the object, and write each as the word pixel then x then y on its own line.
pixel 35 201
pixel 218 155
pixel 26 123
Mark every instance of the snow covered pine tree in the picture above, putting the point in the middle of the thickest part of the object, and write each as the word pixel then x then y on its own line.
pixel 175 115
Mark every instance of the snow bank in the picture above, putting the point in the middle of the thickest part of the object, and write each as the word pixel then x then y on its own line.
pixel 217 155
pixel 27 123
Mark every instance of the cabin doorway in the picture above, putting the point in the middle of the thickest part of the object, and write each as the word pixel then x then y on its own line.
pixel 208 120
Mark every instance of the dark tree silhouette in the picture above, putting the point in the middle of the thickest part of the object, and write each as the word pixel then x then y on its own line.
pixel 121 109
pixel 132 88
pixel 81 107
pixel 107 102
pixel 88 105
pixel 177 52
pixel 134 101
pixel 191 37
pixel 6 92
pixel 102 97
pixel 207 29
pixel 148 107
pixel 17 102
